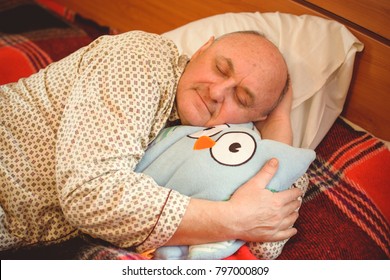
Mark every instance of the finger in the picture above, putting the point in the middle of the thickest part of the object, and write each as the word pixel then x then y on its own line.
pixel 264 176
pixel 289 195
pixel 289 209
pixel 300 200
pixel 283 234
pixel 289 221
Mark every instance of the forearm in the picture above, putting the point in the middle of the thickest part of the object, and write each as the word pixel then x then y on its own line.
pixel 204 221
pixel 279 129
pixel 277 126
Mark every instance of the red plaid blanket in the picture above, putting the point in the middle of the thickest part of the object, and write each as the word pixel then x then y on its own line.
pixel 32 36
pixel 345 214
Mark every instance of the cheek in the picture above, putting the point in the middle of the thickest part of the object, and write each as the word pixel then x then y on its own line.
pixel 234 114
pixel 189 110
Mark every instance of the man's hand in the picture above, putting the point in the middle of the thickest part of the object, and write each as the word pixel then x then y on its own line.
pixel 261 215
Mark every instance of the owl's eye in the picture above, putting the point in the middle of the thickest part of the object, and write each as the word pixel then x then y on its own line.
pixel 209 131
pixel 234 148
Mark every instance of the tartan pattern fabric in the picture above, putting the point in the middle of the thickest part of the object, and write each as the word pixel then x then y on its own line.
pixel 22 45
pixel 338 218
pixel 32 36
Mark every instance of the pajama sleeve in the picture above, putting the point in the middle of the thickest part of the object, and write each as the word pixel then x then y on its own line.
pixel 121 99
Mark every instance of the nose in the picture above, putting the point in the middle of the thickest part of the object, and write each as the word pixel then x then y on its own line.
pixel 221 89
pixel 203 142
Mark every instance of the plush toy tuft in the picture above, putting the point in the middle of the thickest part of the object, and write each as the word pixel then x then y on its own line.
pixel 211 163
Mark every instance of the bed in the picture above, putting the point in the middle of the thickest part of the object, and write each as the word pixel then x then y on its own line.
pixel 345 214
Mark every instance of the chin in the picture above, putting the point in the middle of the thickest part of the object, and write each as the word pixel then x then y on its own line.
pixel 193 116
pixel 193 120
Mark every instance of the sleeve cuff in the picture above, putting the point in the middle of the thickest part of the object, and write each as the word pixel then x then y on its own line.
pixel 166 225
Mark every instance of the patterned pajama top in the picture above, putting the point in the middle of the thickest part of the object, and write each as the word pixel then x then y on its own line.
pixel 71 136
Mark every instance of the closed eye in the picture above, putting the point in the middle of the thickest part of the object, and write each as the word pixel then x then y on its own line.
pixel 242 99
pixel 221 71
pixel 224 66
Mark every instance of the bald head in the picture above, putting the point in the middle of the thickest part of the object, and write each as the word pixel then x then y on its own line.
pixel 239 77
pixel 279 68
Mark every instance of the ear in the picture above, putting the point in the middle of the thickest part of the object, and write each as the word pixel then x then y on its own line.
pixel 204 47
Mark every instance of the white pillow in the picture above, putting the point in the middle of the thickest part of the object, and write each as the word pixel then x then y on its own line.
pixel 319 53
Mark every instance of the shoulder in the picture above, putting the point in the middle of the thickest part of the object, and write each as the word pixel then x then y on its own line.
pixel 138 42
pixel 132 48
pixel 146 38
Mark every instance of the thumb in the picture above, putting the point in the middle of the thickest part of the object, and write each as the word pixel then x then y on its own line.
pixel 265 174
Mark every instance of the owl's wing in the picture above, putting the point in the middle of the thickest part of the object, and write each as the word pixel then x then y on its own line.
pixel 165 139
pixel 293 162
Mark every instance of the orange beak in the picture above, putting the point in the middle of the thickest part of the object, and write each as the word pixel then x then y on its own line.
pixel 204 142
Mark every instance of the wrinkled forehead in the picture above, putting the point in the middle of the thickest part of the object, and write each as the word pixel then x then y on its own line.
pixel 255 50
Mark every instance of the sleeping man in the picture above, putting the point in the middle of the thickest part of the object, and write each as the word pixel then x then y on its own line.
pixel 211 163
pixel 72 135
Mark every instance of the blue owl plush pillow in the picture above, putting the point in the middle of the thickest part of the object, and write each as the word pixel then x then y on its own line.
pixel 211 163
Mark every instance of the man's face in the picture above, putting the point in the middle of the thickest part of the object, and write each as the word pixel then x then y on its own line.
pixel 236 79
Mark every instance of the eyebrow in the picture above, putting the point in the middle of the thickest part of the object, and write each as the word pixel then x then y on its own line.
pixel 231 69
